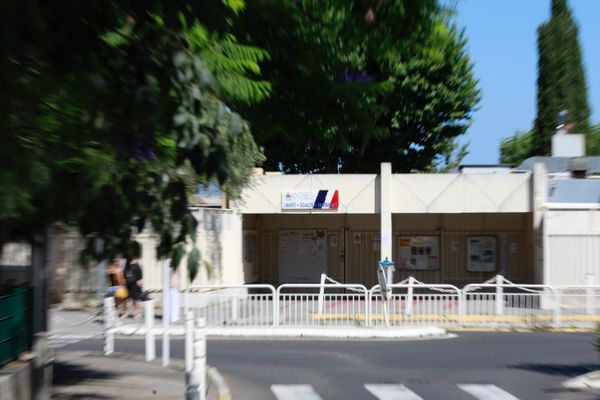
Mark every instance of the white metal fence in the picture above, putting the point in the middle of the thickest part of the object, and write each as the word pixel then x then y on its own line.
pixel 321 304
pixel 415 303
pixel 237 305
pixel 496 303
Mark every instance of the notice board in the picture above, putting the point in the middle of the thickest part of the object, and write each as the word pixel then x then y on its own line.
pixel 481 253
pixel 302 255
pixel 419 252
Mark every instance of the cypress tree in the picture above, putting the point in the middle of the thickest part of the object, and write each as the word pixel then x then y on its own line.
pixel 561 79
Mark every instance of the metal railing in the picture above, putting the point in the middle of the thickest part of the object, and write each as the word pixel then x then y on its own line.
pixel 495 303
pixel 578 306
pixel 415 303
pixel 314 304
pixel 233 305
pixel 509 305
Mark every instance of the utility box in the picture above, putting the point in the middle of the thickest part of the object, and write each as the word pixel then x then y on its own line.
pixel 568 145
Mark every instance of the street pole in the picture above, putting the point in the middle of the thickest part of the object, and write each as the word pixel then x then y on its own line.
pixel 166 317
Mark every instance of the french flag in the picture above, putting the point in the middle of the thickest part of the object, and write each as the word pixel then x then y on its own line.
pixel 327 200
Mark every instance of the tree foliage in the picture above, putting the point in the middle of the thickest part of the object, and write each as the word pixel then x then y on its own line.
pixel 561 79
pixel 593 141
pixel 517 148
pixel 355 83
pixel 112 113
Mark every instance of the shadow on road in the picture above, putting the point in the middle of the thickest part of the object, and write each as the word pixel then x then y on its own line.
pixel 568 370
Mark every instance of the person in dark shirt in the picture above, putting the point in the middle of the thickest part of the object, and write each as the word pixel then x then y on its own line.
pixel 134 280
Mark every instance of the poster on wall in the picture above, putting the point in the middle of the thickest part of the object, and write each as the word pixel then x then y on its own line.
pixel 419 252
pixel 481 253
pixel 302 255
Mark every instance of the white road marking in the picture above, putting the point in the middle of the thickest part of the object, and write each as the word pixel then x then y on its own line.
pixel 391 392
pixel 487 392
pixel 294 392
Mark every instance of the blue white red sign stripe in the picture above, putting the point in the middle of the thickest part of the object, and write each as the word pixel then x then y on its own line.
pixel 320 200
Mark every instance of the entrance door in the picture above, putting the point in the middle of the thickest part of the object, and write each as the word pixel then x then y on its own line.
pixel 302 255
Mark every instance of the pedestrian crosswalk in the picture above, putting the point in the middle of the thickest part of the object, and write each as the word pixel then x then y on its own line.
pixel 392 392
pixel 491 392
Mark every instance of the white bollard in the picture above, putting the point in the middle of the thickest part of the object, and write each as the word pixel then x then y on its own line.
pixel 499 295
pixel 409 297
pixel 150 343
pixel 189 340
pixel 322 292
pixel 196 378
pixel 109 324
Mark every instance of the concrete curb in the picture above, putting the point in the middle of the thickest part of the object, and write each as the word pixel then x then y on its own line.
pixel 340 333
pixel 218 381
pixel 588 381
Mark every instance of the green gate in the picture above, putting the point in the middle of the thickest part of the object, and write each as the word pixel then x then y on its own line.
pixel 15 323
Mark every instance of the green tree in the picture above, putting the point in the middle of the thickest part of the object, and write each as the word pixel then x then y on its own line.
pixel 355 83
pixel 593 141
pixel 112 114
pixel 517 148
pixel 561 79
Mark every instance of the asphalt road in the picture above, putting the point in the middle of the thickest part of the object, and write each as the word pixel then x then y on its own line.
pixel 517 365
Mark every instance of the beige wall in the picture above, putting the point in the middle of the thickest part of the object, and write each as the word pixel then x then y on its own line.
pixel 219 239
pixel 355 261
pixel 410 193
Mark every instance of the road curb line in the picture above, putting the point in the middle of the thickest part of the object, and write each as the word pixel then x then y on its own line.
pixel 223 392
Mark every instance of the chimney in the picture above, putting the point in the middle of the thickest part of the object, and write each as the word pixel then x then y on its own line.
pixel 565 144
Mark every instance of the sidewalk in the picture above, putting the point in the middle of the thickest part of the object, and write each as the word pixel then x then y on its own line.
pixel 92 376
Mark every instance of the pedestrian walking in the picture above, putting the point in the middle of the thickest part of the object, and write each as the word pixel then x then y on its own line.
pixel 116 282
pixel 134 280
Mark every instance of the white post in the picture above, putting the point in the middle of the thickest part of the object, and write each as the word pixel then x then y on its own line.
pixel 499 295
pixel 234 309
pixel 462 300
pixel 109 322
pixel 101 267
pixel 322 292
pixel 409 297
pixel 166 318
pixel 189 340
pixel 150 343
pixel 385 191
pixel 367 308
pixel 589 293
pixel 557 309
pixel 196 379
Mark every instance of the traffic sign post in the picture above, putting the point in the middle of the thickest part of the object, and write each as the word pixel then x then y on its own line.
pixel 385 276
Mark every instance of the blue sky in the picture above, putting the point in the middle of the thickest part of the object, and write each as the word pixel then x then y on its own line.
pixel 502 45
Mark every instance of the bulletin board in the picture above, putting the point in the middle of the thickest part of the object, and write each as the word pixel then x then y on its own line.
pixel 302 255
pixel 419 252
pixel 481 253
